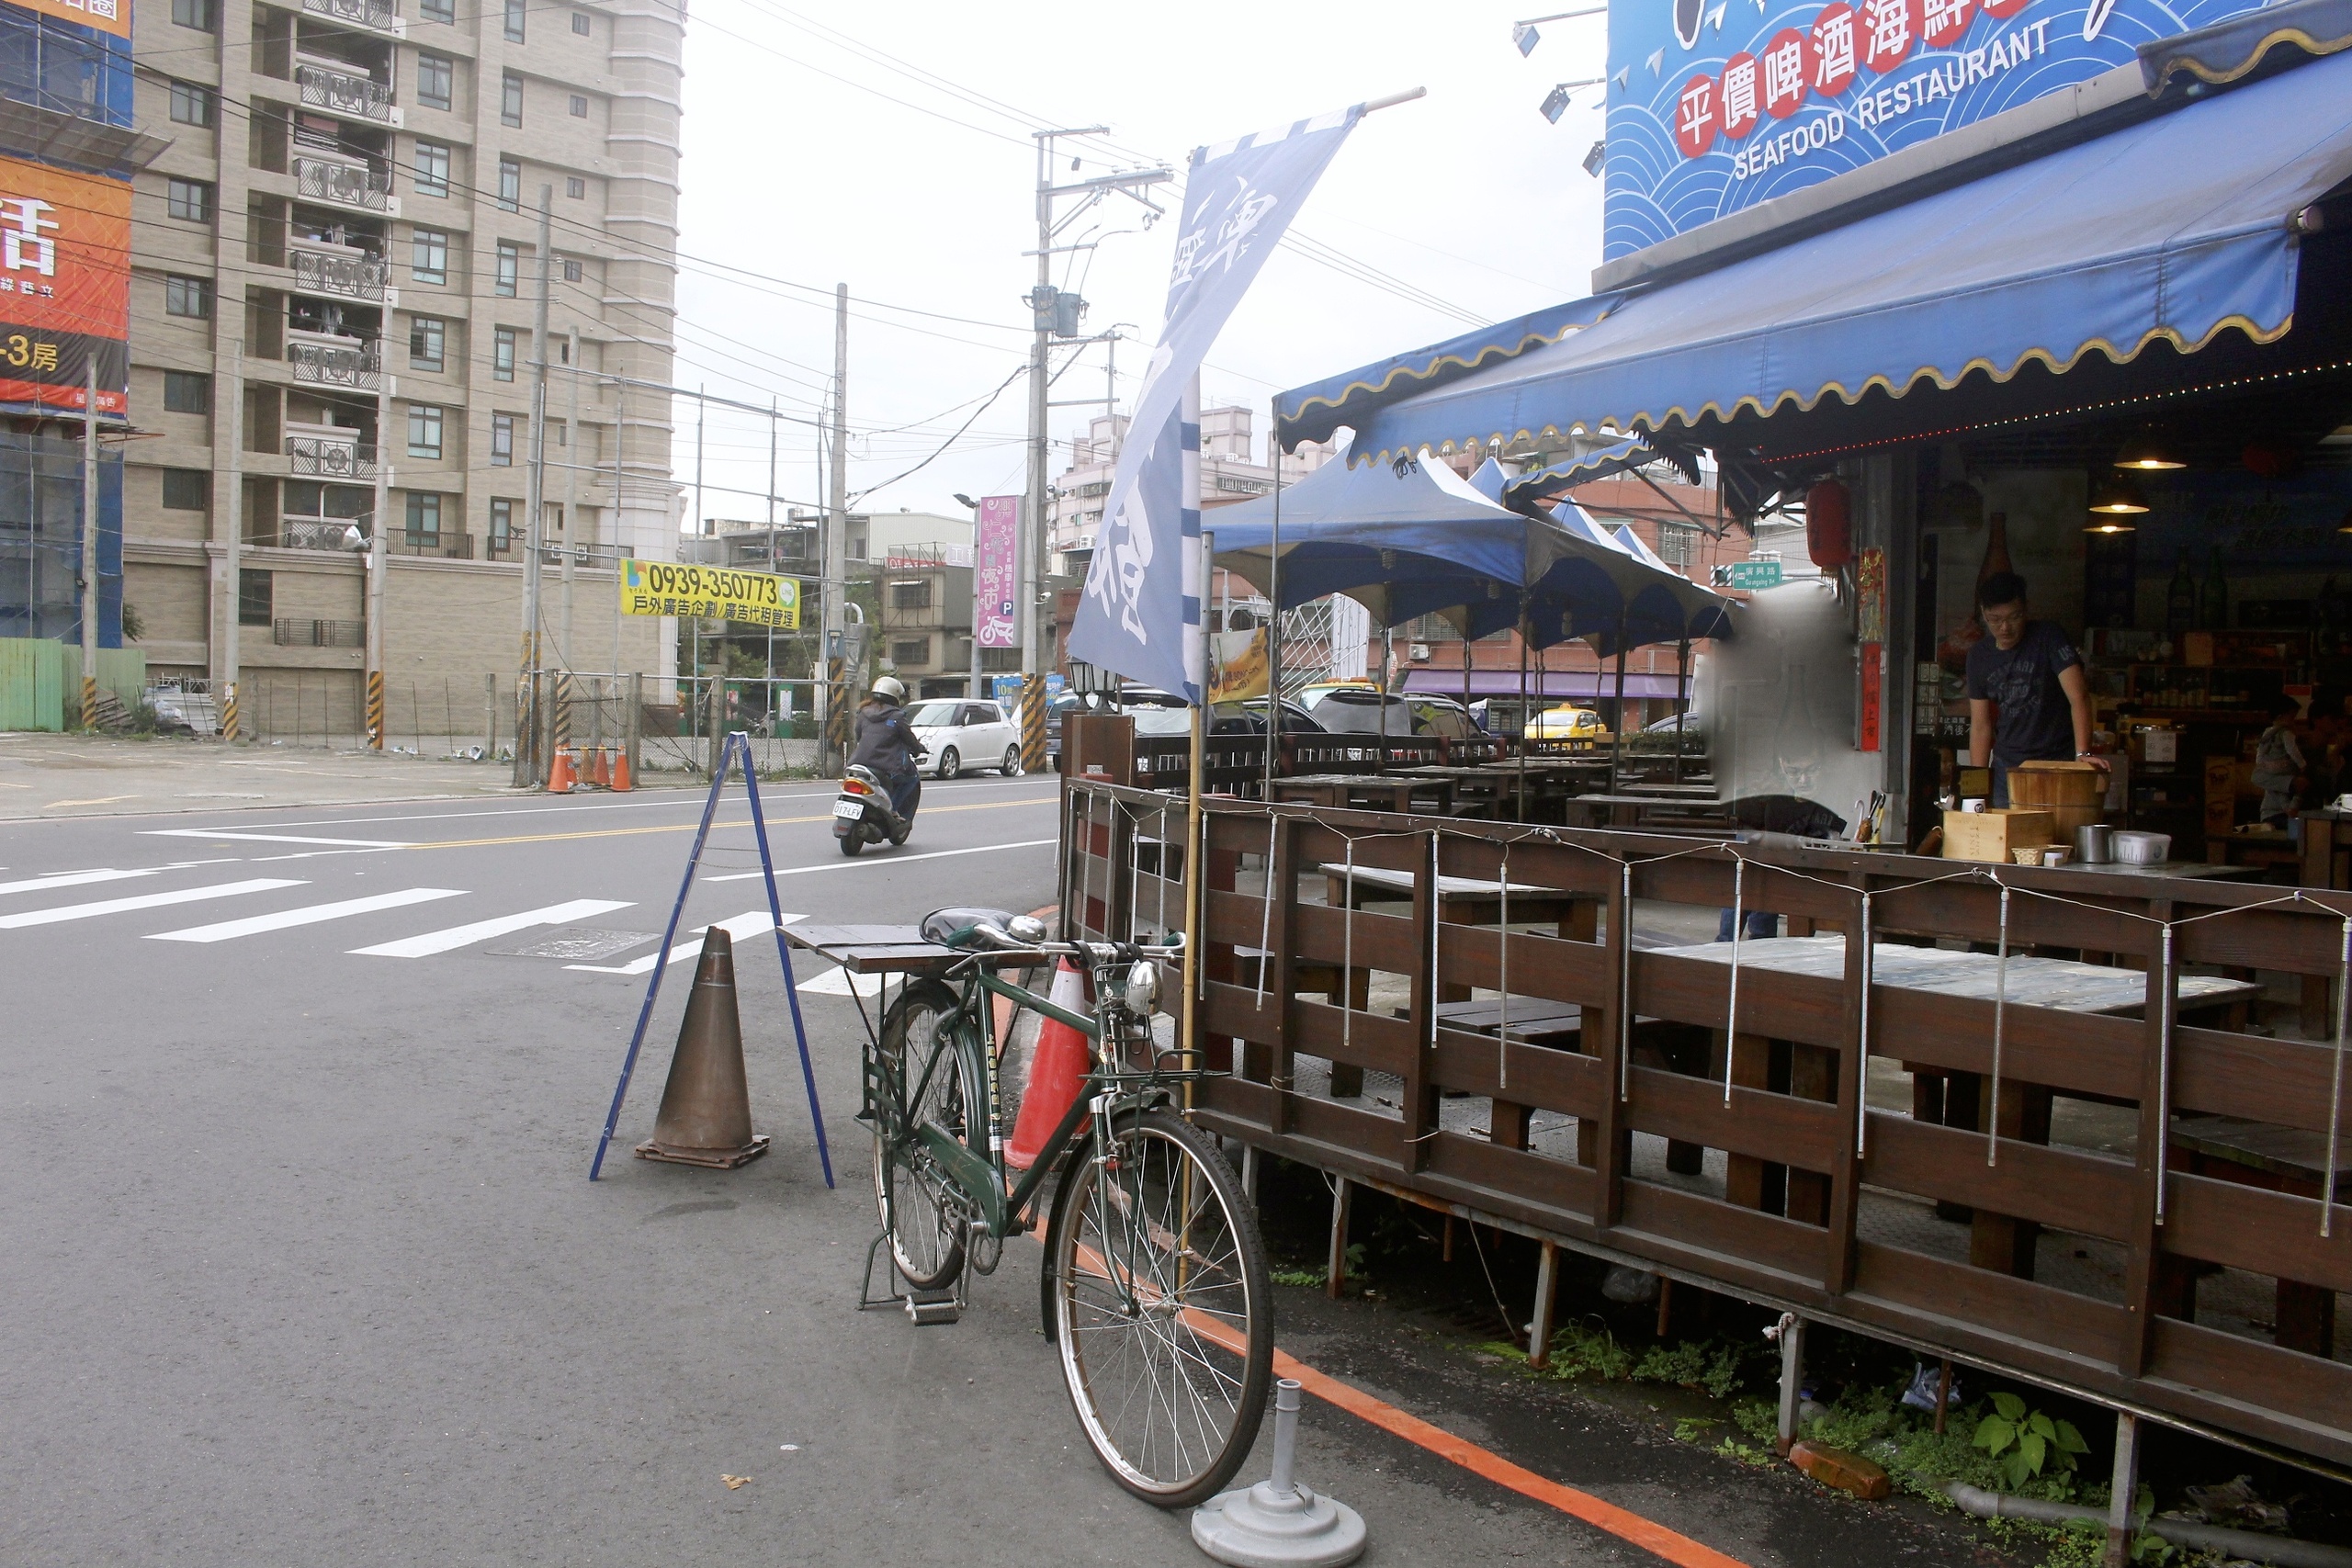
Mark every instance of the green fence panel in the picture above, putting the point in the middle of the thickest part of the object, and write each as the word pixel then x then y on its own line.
pixel 33 683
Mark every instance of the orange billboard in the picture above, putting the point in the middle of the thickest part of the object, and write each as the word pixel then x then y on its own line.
pixel 64 286
pixel 107 16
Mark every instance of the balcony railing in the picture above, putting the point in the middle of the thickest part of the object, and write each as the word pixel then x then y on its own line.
pixel 447 547
pixel 384 15
pixel 320 532
pixel 353 277
pixel 343 183
pixel 344 93
pixel 317 458
pixel 288 633
pixel 359 367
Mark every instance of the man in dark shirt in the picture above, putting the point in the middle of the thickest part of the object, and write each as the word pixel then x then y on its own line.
pixel 2027 699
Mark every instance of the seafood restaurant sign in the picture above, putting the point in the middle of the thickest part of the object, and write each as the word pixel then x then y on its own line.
pixel 1717 105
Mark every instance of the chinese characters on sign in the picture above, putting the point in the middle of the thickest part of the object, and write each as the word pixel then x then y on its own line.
pixel 707 593
pixel 996 573
pixel 64 286
pixel 107 16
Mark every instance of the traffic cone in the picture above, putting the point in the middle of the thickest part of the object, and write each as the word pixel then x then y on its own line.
pixel 621 784
pixel 1056 1073
pixel 598 773
pixel 706 1116
pixel 559 780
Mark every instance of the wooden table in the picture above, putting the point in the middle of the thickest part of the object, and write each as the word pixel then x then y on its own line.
pixel 2327 863
pixel 2277 1160
pixel 1625 810
pixel 1365 792
pixel 1475 789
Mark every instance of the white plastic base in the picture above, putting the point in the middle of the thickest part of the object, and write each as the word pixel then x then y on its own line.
pixel 1258 1526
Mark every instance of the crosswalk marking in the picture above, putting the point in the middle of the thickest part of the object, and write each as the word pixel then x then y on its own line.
pixel 275 838
pixel 836 982
pixel 69 879
pixel 309 915
pixel 143 901
pixel 758 923
pixel 431 942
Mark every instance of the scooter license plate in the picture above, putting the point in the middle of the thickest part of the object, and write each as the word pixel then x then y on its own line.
pixel 848 809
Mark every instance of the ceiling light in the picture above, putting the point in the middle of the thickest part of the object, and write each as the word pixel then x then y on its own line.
pixel 2116 496
pixel 2108 525
pixel 2344 524
pixel 2148 452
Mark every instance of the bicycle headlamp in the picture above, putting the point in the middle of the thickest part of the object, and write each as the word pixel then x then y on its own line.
pixel 1143 989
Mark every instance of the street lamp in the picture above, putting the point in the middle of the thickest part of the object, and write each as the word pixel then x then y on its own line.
pixel 1556 102
pixel 1525 34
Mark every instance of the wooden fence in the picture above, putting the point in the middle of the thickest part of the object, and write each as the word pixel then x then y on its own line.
pixel 1463 1013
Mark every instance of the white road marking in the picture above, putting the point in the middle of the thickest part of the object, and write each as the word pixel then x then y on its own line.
pixel 758 923
pixel 884 859
pixel 309 915
pixel 69 879
pixel 837 982
pixel 275 838
pixel 431 942
pixel 143 901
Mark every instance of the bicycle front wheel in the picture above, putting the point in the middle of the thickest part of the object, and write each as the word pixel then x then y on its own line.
pixel 1160 1310
pixel 922 1077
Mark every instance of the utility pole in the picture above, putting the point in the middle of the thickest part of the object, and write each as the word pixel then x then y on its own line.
pixel 571 503
pixel 769 693
pixel 231 712
pixel 90 546
pixel 837 541
pixel 527 761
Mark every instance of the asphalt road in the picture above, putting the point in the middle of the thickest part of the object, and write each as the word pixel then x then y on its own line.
pixel 303 1266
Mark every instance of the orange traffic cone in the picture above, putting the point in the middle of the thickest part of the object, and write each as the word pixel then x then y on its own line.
pixel 620 769
pixel 560 779
pixel 598 773
pixel 706 1116
pixel 1056 1074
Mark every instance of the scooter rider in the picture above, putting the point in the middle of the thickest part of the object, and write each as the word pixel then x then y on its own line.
pixel 887 746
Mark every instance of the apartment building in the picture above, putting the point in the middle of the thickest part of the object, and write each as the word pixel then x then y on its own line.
pixel 1230 471
pixel 334 273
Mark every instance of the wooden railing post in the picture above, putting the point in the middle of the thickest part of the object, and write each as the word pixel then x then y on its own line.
pixel 2142 1282
pixel 1279 980
pixel 1613 1144
pixel 1853 1098
pixel 1419 1095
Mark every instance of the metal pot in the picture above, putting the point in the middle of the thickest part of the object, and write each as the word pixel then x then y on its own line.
pixel 2094 843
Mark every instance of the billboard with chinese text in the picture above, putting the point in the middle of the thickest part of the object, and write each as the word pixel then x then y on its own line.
pixel 64 286
pixel 1717 105
pixel 996 575
pixel 107 16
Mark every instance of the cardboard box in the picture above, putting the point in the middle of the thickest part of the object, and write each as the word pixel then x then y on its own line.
pixel 1991 835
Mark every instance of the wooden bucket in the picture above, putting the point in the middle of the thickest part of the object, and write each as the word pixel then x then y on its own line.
pixel 2075 792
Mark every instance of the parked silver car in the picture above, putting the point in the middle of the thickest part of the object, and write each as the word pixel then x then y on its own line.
pixel 962 734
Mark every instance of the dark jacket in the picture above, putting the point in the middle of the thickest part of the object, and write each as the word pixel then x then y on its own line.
pixel 884 742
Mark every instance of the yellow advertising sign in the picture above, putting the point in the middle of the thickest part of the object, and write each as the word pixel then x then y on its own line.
pixel 1243 666
pixel 710 593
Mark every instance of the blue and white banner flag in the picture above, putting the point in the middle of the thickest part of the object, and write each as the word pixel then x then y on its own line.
pixel 1141 612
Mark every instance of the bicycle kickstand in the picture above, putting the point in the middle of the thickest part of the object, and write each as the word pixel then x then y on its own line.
pixel 922 1307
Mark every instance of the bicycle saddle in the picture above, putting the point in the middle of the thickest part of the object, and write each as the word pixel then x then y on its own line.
pixel 961 928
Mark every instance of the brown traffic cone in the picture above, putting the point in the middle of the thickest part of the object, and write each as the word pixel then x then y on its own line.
pixel 597 772
pixel 706 1116
pixel 620 769
pixel 559 772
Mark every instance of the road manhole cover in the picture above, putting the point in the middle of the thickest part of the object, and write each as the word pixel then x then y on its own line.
pixel 579 944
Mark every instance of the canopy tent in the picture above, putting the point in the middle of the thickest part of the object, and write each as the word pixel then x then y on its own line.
pixel 2043 261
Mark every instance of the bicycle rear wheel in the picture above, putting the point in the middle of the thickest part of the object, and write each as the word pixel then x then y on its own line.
pixel 1161 1309
pixel 924 1077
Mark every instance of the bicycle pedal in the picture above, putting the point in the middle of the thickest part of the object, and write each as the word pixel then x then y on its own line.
pixel 932 1307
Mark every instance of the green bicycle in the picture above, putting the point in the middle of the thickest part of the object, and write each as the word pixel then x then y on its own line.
pixel 1155 1288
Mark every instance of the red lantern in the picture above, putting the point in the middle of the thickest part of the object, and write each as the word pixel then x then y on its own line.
pixel 1829 525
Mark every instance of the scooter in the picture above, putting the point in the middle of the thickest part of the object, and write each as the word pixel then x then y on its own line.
pixel 863 814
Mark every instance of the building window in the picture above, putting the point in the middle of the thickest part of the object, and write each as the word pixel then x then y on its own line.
pixel 188 490
pixel 510 99
pixel 427 336
pixel 502 440
pixel 911 595
pixel 502 524
pixel 423 431
pixel 204 16
pixel 509 185
pixel 187 392
pixel 429 256
pixel 437 10
pixel 191 104
pixel 434 74
pixel 510 267
pixel 579 23
pixel 188 296
pixel 572 269
pixel 514 21
pixel 432 169
pixel 911 650
pixel 579 106
pixel 189 199
pixel 423 521
pixel 575 187
pixel 502 355
pixel 253 597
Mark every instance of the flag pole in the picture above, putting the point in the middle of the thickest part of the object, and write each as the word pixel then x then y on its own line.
pixel 1189 1016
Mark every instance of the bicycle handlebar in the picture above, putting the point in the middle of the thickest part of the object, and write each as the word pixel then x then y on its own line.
pixel 1002 945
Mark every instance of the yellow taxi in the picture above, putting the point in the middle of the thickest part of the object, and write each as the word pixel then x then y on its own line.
pixel 1567 724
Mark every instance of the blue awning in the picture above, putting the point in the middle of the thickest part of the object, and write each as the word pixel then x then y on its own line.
pixel 2174 229
pixel 1601 463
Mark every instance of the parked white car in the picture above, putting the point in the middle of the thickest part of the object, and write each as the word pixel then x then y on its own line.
pixel 961 734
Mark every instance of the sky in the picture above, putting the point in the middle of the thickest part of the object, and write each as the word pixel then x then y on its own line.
pixel 889 149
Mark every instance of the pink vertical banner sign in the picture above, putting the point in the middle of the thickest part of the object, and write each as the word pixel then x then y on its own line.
pixel 997 572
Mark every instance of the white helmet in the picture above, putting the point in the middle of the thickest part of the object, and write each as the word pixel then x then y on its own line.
pixel 891 689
